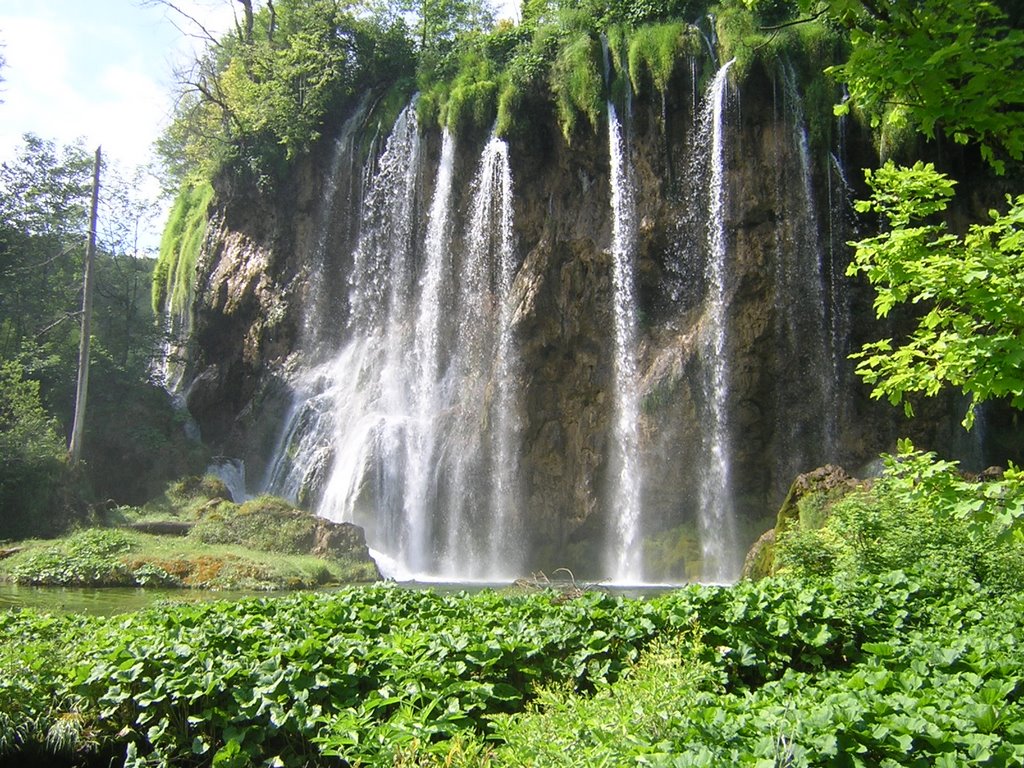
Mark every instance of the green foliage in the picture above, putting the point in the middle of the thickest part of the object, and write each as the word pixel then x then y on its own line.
pixel 970 329
pixel 654 51
pixel 468 103
pixel 32 456
pixel 258 100
pixel 577 83
pixel 267 523
pixel 109 557
pixel 44 194
pixel 887 669
pixel 921 515
pixel 174 275
pixel 673 555
pixel 947 65
pixel 932 695
pixel 90 557
pixel 357 675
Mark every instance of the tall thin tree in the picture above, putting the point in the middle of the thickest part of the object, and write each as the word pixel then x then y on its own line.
pixel 78 428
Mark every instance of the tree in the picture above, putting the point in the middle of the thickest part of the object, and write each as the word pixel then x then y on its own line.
pixel 971 332
pixel 950 67
pixel 258 97
pixel 32 466
pixel 43 197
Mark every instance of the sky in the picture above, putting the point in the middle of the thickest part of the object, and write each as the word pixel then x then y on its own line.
pixel 100 70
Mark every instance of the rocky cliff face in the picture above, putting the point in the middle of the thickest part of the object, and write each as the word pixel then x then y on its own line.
pixel 272 298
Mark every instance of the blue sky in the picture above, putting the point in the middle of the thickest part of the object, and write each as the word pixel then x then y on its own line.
pixel 97 69
pixel 102 71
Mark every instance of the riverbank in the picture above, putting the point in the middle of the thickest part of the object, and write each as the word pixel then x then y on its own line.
pixel 195 537
pixel 112 557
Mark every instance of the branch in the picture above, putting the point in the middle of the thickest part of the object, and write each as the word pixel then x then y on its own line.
pixel 168 4
pixel 795 22
pixel 58 321
pixel 33 267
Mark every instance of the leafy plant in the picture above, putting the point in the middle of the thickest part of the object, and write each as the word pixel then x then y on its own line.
pixel 968 334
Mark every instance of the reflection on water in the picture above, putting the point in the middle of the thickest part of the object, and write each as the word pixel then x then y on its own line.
pixel 106 601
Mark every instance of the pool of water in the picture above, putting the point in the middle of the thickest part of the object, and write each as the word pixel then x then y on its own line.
pixel 109 601
pixel 105 601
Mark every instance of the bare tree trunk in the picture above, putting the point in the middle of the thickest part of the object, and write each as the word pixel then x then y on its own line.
pixel 247 33
pixel 78 428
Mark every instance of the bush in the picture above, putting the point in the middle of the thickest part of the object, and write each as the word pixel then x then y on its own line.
pixel 920 515
pixel 33 469
pixel 267 524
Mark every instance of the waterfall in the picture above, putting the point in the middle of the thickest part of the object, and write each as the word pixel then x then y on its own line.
pixel 483 442
pixel 412 429
pixel 343 437
pixel 506 426
pixel 232 473
pixel 339 199
pixel 840 211
pixel 426 364
pixel 807 304
pixel 716 522
pixel 624 556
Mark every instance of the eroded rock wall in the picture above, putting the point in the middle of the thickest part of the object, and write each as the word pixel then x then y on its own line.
pixel 272 294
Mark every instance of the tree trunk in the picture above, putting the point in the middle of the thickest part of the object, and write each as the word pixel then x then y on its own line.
pixel 78 428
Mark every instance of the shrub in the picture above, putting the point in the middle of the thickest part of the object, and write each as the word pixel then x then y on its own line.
pixel 920 515
pixel 267 524
pixel 32 458
pixel 577 83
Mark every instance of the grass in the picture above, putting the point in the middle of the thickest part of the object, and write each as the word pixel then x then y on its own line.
pixel 102 557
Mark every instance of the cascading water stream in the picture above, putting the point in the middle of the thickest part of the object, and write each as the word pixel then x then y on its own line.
pixel 413 429
pixel 344 435
pixel 804 299
pixel 624 557
pixel 339 194
pixel 717 517
pixel 421 438
pixel 483 438
pixel 370 378
pixel 505 448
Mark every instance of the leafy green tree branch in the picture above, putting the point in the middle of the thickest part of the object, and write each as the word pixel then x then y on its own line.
pixel 970 334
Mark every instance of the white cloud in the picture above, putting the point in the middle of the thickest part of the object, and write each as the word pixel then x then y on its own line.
pixel 100 70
